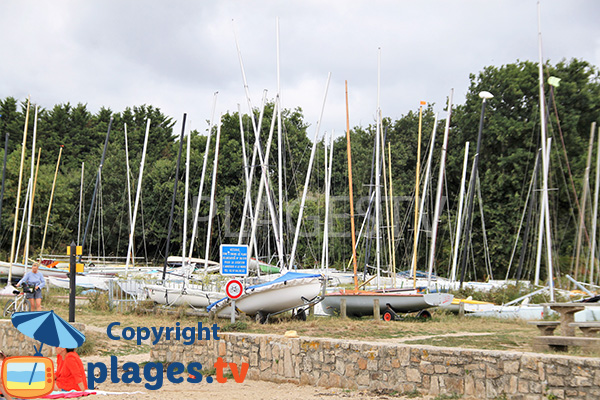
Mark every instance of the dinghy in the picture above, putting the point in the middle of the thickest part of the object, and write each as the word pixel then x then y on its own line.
pixel 287 292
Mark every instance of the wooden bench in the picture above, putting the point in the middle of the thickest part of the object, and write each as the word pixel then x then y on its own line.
pixel 546 327
pixel 562 343
pixel 589 329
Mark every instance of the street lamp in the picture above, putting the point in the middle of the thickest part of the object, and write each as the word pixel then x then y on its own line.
pixel 463 262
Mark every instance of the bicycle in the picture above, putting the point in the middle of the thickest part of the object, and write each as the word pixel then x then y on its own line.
pixel 18 304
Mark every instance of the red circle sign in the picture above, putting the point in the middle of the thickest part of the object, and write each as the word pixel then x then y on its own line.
pixel 234 289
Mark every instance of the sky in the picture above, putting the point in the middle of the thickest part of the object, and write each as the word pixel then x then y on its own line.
pixel 176 54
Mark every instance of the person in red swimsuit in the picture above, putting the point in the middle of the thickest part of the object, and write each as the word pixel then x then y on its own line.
pixel 70 374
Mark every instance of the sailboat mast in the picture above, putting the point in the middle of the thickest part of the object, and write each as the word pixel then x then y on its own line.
pixel 14 239
pixel 51 198
pixel 280 151
pixel 206 150
pixel 170 226
pixel 31 180
pixel 545 160
pixel 308 173
pixel 595 216
pixel 137 199
pixel 461 198
pixel 352 228
pixel 213 188
pixel 440 185
pixel 392 216
pixel 3 174
pixel 416 230
pixel 87 225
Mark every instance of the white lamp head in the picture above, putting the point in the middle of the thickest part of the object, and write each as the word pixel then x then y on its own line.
pixel 485 95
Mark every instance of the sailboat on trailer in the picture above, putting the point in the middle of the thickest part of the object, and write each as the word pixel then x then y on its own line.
pixel 361 302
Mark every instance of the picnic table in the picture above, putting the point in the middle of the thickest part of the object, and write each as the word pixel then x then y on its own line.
pixel 567 327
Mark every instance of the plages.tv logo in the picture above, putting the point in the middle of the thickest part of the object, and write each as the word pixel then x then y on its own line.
pixel 29 377
pixel 154 372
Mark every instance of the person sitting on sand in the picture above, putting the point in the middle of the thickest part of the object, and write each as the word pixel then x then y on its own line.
pixel 70 374
pixel 2 391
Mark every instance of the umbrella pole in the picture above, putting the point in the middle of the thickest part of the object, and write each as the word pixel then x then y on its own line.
pixel 38 353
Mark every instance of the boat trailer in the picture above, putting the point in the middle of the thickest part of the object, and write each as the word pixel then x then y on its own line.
pixel 391 315
pixel 300 313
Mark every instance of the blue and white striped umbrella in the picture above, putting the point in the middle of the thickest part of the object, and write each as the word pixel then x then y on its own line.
pixel 48 328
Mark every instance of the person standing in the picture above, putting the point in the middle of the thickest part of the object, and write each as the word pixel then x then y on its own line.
pixel 36 281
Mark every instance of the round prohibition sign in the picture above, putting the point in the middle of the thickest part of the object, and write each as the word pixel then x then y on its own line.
pixel 234 289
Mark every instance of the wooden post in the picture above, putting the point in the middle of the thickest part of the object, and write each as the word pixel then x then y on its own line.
pixel 343 308
pixel 376 311
pixel 461 309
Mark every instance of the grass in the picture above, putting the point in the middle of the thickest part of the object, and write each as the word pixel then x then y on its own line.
pixel 443 329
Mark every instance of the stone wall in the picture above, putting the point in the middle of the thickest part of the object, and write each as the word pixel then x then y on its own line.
pixel 14 343
pixel 474 374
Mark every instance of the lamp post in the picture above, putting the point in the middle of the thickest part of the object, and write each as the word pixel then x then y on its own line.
pixel 463 262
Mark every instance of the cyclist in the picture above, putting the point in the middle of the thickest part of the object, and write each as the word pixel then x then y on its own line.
pixel 35 280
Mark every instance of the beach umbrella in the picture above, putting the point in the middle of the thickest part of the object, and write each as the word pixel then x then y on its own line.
pixel 48 328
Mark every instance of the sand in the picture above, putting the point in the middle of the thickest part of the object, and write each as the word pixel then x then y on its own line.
pixel 231 390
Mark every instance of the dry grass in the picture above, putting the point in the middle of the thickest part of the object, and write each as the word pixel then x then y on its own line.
pixel 443 329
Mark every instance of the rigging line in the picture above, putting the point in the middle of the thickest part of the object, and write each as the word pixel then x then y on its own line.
pixel 525 210
pixel 486 249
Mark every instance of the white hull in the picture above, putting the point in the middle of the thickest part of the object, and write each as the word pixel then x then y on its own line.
pixel 274 297
pixel 176 296
pixel 85 281
pixel 18 270
pixel 362 304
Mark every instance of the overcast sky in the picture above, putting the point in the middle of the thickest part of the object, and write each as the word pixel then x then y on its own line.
pixel 175 54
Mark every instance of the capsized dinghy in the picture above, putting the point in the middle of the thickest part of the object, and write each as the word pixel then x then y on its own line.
pixel 289 291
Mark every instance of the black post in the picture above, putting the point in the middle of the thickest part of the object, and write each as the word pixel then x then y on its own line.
pixel 72 284
pixel 3 175
pixel 87 225
pixel 467 235
pixel 174 197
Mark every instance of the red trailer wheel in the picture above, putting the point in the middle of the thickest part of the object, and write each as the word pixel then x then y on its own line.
pixel 387 317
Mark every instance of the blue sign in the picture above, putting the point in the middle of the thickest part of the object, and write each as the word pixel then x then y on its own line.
pixel 234 260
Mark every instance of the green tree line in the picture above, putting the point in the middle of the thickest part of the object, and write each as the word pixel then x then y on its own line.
pixel 511 139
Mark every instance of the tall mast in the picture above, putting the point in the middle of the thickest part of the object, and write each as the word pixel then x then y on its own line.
pixel 461 198
pixel 51 198
pixel 595 216
pixel 440 185
pixel 416 230
pixel 279 149
pixel 206 150
pixel 170 226
pixel 308 173
pixel 137 199
pixel 213 188
pixel 352 229
pixel 14 239
pixel 32 182
pixel 98 176
pixel 545 162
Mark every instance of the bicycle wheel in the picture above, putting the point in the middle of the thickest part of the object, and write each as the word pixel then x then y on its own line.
pixel 24 305
pixel 9 308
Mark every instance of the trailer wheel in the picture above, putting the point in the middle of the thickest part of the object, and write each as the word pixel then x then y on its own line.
pixel 261 317
pixel 387 316
pixel 424 314
pixel 301 314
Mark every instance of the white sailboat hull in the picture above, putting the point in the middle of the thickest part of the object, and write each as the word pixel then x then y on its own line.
pixel 274 297
pixel 178 296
